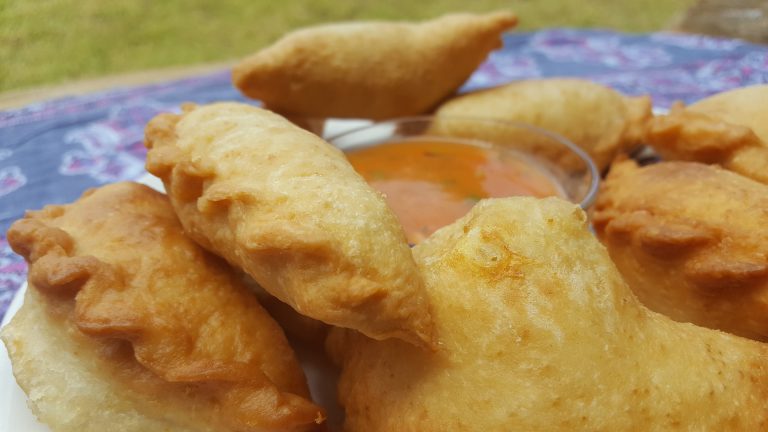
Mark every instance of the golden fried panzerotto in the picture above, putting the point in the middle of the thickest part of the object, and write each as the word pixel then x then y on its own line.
pixel 538 332
pixel 371 70
pixel 130 326
pixel 691 240
pixel 289 209
pixel 729 129
pixel 596 118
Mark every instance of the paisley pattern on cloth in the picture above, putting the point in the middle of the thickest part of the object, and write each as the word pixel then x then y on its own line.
pixel 52 151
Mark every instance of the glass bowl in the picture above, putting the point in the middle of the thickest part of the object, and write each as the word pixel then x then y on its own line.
pixel 466 152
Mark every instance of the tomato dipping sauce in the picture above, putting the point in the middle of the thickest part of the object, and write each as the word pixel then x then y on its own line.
pixel 431 182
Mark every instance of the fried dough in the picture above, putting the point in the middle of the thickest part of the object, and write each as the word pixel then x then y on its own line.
pixel 729 129
pixel 297 327
pixel 596 118
pixel 130 326
pixel 538 332
pixel 290 210
pixel 371 70
pixel 692 242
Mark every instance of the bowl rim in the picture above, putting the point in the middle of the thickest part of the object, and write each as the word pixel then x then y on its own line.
pixel 594 185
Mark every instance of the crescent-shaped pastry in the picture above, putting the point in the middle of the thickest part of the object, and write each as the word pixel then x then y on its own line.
pixel 729 129
pixel 289 209
pixel 130 326
pixel 371 70
pixel 539 332
pixel 691 240
pixel 596 118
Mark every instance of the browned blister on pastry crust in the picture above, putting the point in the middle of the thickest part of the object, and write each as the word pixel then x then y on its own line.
pixel 729 129
pixel 692 242
pixel 538 332
pixel 599 120
pixel 289 209
pixel 370 69
pixel 150 331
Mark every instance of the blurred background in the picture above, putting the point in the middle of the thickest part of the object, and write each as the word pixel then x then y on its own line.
pixel 49 42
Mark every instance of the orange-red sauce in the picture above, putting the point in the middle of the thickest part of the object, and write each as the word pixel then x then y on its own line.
pixel 431 182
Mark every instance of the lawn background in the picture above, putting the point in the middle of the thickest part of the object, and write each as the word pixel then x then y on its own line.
pixel 53 41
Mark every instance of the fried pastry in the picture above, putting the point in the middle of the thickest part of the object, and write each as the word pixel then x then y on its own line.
pixel 729 129
pixel 538 332
pixel 289 209
pixel 130 326
pixel 297 327
pixel 598 119
pixel 371 70
pixel 691 240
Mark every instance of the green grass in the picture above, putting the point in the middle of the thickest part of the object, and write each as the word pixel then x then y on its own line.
pixel 51 41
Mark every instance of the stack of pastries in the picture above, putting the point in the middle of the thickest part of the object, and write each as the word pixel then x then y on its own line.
pixel 144 310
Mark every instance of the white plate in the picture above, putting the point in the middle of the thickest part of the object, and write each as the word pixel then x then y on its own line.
pixel 15 415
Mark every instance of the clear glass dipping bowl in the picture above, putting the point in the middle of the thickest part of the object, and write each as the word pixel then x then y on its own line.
pixel 568 165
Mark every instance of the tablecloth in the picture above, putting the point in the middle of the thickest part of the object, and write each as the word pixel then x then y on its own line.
pixel 52 151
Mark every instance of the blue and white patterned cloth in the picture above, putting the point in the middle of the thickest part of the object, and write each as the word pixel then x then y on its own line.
pixel 52 151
